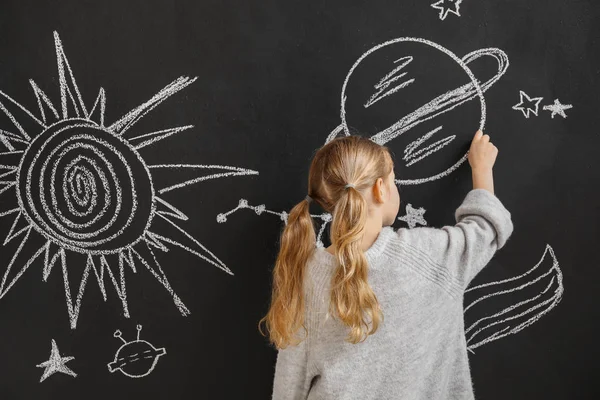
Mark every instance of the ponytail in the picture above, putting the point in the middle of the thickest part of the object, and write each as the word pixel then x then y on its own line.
pixel 297 244
pixel 351 295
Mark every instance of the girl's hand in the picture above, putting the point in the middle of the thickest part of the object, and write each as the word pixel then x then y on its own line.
pixel 482 154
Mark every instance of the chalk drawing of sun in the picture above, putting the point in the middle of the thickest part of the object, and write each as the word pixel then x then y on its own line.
pixel 84 187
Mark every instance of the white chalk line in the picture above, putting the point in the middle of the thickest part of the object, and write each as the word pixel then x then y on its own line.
pixel 407 182
pixel 158 135
pixel 238 172
pixel 73 309
pixel 501 292
pixel 63 64
pixel 432 149
pixel 152 240
pixel 174 212
pixel 218 263
pixel 11 211
pixel 124 123
pixel 387 80
pixel 5 174
pixel 5 153
pixel 512 307
pixel 41 96
pixel 554 300
pixel 434 108
pixel 101 102
pixel 243 203
pixel 13 136
pixel 12 232
pixel 6 138
pixel 161 277
pixel 3 288
pixel 13 120
pixel 556 279
pixel 7 186
pixel 410 155
pixel 415 144
pixel 494 283
pixel 49 261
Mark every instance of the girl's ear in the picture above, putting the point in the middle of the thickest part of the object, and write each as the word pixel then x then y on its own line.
pixel 378 190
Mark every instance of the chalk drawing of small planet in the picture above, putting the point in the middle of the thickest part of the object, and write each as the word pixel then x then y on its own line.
pixel 422 101
pixel 137 358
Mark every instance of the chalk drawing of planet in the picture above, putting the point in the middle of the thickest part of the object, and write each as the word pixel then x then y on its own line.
pixel 136 358
pixel 422 101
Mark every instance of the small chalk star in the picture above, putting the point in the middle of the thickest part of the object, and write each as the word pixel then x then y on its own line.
pixel 446 6
pixel 528 104
pixel 558 108
pixel 56 363
pixel 413 216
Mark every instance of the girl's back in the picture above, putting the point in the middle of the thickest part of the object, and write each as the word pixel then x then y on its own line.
pixel 419 276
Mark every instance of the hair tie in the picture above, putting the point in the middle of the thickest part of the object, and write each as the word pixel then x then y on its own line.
pixel 308 198
pixel 349 185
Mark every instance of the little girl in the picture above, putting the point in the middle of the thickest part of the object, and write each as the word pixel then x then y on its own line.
pixel 414 277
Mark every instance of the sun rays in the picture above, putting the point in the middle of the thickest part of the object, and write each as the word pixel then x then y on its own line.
pixel 83 186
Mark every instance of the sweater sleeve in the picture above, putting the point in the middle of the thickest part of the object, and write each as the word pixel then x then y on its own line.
pixel 483 227
pixel 292 379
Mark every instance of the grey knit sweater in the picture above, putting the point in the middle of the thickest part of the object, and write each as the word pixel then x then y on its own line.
pixel 419 352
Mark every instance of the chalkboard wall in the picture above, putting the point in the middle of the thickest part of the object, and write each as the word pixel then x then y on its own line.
pixel 149 152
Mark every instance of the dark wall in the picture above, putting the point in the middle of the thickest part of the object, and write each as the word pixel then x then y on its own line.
pixel 118 219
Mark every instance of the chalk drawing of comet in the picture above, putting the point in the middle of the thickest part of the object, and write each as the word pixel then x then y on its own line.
pixel 83 186
pixel 520 300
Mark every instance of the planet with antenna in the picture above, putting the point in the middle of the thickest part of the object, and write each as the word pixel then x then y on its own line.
pixel 137 358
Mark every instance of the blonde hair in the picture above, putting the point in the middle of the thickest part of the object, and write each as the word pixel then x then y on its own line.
pixel 344 160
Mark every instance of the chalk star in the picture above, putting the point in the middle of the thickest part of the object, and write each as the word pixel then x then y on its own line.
pixel 528 104
pixel 413 216
pixel 56 363
pixel 446 6
pixel 558 108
